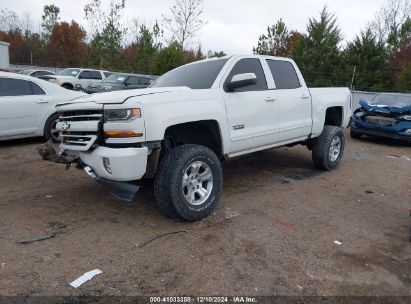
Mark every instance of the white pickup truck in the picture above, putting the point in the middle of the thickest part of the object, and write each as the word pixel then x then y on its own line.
pixel 77 79
pixel 180 129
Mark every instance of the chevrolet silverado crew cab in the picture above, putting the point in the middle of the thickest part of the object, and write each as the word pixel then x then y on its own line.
pixel 180 129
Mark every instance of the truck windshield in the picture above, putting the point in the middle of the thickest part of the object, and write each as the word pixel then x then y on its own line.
pixel 69 72
pixel 198 76
pixel 393 100
pixel 115 78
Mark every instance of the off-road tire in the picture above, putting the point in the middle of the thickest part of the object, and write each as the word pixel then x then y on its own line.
pixel 321 149
pixel 355 134
pixel 48 126
pixel 168 182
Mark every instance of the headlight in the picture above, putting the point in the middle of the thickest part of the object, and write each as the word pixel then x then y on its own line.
pixel 122 114
pixel 53 80
pixel 405 117
pixel 106 88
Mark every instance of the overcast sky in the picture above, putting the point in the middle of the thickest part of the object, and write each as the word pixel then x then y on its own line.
pixel 233 25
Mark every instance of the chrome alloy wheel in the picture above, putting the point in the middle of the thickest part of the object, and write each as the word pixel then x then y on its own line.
pixel 197 183
pixel 335 148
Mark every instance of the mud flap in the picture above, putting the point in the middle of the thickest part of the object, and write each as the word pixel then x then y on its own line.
pixel 121 190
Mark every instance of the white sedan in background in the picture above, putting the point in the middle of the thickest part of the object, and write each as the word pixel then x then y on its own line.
pixel 27 106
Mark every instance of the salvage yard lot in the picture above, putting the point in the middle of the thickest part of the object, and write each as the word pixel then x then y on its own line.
pixel 272 233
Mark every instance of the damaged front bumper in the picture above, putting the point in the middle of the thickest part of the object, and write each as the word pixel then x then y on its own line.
pixel 119 165
pixel 121 190
pixel 381 124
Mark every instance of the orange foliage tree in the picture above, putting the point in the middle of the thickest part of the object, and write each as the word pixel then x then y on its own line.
pixel 67 45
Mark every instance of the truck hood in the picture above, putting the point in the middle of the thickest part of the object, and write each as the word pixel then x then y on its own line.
pixel 60 77
pixel 117 97
pixel 399 108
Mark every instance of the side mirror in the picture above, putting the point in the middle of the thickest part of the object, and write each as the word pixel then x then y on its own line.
pixel 241 80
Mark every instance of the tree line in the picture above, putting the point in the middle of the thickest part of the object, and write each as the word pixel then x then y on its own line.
pixel 377 59
pixel 110 44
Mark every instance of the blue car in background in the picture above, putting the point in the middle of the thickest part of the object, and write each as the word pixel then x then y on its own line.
pixel 387 115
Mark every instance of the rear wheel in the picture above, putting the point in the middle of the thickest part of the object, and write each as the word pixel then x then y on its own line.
pixel 329 148
pixel 50 131
pixel 188 182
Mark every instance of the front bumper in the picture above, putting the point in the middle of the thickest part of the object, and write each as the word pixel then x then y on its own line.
pixel 125 164
pixel 394 132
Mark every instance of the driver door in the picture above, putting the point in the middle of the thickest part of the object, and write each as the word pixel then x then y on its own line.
pixel 251 110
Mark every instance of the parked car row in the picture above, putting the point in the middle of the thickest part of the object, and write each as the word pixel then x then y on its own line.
pixel 120 81
pixel 91 80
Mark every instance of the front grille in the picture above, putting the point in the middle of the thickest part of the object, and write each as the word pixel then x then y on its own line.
pixel 381 120
pixel 81 115
pixel 79 129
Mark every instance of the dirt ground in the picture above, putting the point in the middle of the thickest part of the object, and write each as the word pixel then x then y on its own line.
pixel 273 232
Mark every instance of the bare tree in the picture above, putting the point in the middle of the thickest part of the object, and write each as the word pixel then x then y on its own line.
pixel 390 18
pixel 27 24
pixel 184 21
pixel 10 21
pixel 100 19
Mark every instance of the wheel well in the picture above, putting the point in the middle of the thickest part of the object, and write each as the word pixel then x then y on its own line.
pixel 206 133
pixel 68 85
pixel 334 116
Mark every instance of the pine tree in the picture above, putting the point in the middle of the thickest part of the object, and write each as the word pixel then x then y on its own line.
pixel 318 53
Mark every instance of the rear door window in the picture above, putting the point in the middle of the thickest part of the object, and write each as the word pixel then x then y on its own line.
pixel 85 75
pixel 95 75
pixel 284 74
pixel 249 65
pixel 36 90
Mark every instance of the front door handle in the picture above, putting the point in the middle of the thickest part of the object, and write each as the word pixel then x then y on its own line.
pixel 42 101
pixel 270 99
pixel 304 96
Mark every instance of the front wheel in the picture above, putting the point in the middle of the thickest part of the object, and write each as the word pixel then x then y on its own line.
pixel 329 148
pixel 188 182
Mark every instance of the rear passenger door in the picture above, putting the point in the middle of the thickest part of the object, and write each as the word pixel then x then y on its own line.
pixel 293 101
pixel 23 105
pixel 251 110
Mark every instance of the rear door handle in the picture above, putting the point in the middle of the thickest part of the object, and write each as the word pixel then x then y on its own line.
pixel 304 96
pixel 270 99
pixel 42 101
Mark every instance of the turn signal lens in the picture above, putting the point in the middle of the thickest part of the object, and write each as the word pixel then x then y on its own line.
pixel 136 112
pixel 122 134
